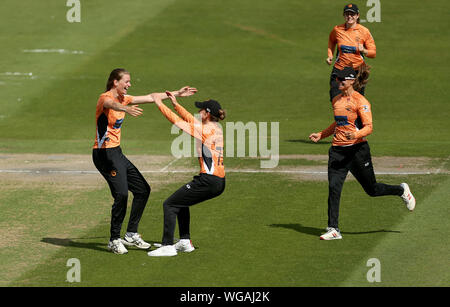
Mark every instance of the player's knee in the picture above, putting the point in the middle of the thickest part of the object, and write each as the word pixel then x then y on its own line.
pixel 147 190
pixel 121 197
pixel 143 193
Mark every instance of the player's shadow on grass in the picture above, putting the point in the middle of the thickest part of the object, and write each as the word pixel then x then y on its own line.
pixel 319 231
pixel 67 242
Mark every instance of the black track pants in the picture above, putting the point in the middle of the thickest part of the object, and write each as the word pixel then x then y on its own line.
pixel 122 176
pixel 201 188
pixel 358 161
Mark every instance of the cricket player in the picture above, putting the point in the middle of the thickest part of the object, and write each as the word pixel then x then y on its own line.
pixel 350 151
pixel 354 42
pixel 208 184
pixel 120 174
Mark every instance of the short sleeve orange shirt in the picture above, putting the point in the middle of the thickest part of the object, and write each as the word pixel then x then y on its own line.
pixel 109 121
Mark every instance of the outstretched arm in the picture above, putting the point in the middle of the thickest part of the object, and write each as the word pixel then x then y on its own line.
pixel 182 92
pixel 191 128
pixel 132 110
pixel 180 110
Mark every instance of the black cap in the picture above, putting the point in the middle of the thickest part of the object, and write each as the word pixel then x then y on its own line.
pixel 351 8
pixel 211 106
pixel 348 73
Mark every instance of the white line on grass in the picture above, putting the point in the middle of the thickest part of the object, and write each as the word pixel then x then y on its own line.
pixel 60 51
pixel 164 170
pixel 170 163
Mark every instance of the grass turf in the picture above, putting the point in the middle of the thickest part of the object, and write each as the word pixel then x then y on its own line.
pixel 249 241
pixel 264 64
pixel 264 61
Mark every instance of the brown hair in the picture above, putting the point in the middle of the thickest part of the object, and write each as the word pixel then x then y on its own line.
pixel 116 74
pixel 222 115
pixel 363 76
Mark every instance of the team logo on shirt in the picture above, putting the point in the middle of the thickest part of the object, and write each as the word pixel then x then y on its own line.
pixel 341 120
pixel 366 108
pixel 118 124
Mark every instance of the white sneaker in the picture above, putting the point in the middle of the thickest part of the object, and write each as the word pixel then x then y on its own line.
pixel 163 251
pixel 184 245
pixel 135 240
pixel 332 234
pixel 408 198
pixel 117 247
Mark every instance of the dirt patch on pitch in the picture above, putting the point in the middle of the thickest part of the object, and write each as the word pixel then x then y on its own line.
pixel 73 172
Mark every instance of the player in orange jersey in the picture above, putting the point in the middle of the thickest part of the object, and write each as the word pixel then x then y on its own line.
pixel 208 184
pixel 108 158
pixel 353 42
pixel 350 151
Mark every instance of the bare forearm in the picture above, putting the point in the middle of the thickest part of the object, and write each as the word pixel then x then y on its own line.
pixel 115 106
pixel 149 98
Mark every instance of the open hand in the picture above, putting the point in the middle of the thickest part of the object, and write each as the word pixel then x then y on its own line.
pixel 186 91
pixel 134 110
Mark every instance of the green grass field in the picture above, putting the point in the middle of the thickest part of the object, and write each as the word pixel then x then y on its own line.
pixel 265 62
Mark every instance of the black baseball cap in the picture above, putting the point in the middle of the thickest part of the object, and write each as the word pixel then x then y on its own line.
pixel 351 8
pixel 348 73
pixel 211 106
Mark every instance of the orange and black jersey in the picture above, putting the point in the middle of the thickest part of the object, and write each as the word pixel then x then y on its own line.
pixel 347 41
pixel 109 121
pixel 209 139
pixel 351 114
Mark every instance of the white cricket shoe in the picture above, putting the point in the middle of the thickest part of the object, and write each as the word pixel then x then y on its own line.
pixel 331 234
pixel 407 197
pixel 135 240
pixel 163 251
pixel 117 247
pixel 184 245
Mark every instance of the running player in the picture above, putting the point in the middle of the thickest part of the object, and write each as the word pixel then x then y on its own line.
pixel 208 184
pixel 354 42
pixel 108 158
pixel 350 151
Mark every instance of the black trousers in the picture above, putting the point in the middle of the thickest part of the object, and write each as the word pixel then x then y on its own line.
pixel 358 161
pixel 334 84
pixel 122 176
pixel 201 188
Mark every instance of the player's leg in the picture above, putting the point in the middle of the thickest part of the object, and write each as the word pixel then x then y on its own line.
pixel 362 168
pixel 113 169
pixel 211 186
pixel 141 192
pixel 337 172
pixel 201 188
